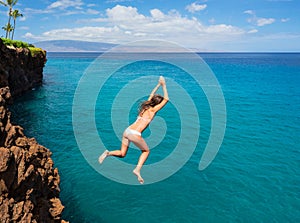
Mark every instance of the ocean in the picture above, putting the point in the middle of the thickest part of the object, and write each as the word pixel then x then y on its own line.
pixel 254 177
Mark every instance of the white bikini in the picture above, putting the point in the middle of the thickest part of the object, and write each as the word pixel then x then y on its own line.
pixel 128 134
pixel 129 131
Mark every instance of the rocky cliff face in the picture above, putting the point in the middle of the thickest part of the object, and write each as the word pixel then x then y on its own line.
pixel 19 70
pixel 29 184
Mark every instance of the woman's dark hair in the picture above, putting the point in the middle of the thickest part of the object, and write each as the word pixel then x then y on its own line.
pixel 155 100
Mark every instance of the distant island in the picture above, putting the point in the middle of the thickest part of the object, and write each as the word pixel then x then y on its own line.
pixel 73 46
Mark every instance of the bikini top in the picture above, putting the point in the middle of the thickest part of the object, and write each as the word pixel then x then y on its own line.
pixel 144 121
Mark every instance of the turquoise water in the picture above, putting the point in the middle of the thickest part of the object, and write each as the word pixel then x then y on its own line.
pixel 255 176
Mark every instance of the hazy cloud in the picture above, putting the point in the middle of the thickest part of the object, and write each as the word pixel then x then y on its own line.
pixel 63 4
pixel 253 31
pixel 30 36
pixel 250 12
pixel 194 7
pixel 285 19
pixel 29 11
pixel 264 21
pixel 92 12
pixel 157 14
pixel 212 21
pixel 258 21
pixel 24 28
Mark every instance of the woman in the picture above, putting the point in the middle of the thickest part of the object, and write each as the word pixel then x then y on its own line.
pixel 133 133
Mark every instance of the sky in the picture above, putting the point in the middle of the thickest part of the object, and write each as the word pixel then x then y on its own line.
pixel 205 25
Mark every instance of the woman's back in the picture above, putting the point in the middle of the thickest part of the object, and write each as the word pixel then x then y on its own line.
pixel 143 120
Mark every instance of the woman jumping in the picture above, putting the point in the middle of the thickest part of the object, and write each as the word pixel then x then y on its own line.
pixel 133 133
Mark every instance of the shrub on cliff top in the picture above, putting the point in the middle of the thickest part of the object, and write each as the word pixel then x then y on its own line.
pixel 20 44
pixel 16 43
pixel 35 51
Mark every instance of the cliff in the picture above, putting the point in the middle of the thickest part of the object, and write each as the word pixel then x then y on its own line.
pixel 19 69
pixel 29 184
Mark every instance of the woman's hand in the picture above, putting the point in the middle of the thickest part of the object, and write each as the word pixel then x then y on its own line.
pixel 162 81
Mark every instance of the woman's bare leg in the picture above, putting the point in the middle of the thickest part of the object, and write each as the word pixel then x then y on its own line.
pixel 142 159
pixel 103 156
pixel 140 142
pixel 119 153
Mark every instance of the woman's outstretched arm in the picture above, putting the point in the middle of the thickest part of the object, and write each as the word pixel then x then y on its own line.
pixel 162 82
pixel 164 86
pixel 153 91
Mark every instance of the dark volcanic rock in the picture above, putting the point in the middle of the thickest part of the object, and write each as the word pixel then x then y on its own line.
pixel 19 70
pixel 29 183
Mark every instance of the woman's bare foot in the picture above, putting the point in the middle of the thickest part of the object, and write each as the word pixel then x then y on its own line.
pixel 103 156
pixel 138 174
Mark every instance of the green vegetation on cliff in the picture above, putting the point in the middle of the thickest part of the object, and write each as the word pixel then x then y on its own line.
pixel 20 44
pixel 16 43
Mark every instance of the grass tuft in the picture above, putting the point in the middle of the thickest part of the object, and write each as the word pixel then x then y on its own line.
pixel 20 44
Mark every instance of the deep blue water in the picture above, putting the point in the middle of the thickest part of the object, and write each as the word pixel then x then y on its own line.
pixel 255 176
